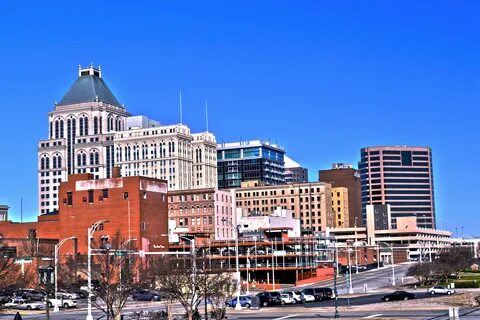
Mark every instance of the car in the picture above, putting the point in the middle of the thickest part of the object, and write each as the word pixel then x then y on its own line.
pixel 245 301
pixel 286 298
pixel 62 303
pixel 6 295
pixel 68 295
pixel 398 295
pixel 320 294
pixel 297 295
pixel 31 294
pixel 269 298
pixel 307 297
pixel 146 295
pixel 19 303
pixel 440 290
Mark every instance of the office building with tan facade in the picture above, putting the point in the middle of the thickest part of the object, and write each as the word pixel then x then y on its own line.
pixel 310 202
pixel 340 207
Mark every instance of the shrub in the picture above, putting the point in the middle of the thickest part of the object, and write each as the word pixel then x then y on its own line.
pixel 467 284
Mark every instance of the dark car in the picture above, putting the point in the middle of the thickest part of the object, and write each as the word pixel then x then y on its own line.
pixel 320 294
pixel 269 298
pixel 146 295
pixel 30 294
pixel 398 295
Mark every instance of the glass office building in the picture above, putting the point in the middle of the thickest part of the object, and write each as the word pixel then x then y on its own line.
pixel 249 160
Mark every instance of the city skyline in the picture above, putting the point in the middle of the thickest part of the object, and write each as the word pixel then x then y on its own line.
pixel 395 92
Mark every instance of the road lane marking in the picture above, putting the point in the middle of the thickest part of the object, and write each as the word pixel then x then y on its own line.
pixel 373 316
pixel 286 317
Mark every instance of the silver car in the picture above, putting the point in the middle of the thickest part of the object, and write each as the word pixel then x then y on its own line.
pixel 440 290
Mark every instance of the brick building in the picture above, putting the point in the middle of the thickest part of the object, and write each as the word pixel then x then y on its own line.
pixel 203 210
pixel 135 207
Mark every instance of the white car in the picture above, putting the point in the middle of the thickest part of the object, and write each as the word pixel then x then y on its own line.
pixel 440 290
pixel 308 297
pixel 19 303
pixel 62 303
pixel 286 298
pixel 68 295
pixel 296 295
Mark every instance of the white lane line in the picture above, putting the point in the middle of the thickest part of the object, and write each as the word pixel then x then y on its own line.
pixel 286 317
pixel 373 316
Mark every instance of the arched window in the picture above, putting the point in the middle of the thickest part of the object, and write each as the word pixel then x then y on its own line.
pixel 85 125
pixel 61 128
pixel 92 158
pixel 79 160
pixel 42 164
pixel 51 129
pixel 57 129
pixel 95 125
pixel 173 146
pixel 97 158
pixel 144 152
pixel 135 152
pixel 59 162
pixel 47 163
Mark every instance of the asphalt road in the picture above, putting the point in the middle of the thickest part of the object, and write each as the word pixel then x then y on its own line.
pixel 374 279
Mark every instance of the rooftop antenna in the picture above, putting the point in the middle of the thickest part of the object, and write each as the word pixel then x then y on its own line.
pixel 21 209
pixel 181 122
pixel 206 113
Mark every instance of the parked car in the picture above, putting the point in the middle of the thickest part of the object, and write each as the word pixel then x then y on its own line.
pixel 6 295
pixel 62 303
pixel 320 294
pixel 398 295
pixel 286 298
pixel 440 290
pixel 306 297
pixel 19 303
pixel 297 295
pixel 68 294
pixel 245 301
pixel 269 298
pixel 33 294
pixel 146 295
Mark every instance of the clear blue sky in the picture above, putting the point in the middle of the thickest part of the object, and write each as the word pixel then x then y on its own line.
pixel 322 78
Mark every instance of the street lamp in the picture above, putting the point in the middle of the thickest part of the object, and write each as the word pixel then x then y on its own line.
pixel 194 261
pixel 237 306
pixel 350 287
pixel 248 264
pixel 91 230
pixel 335 291
pixel 57 247
pixel 273 263
pixel 393 264
pixel 355 245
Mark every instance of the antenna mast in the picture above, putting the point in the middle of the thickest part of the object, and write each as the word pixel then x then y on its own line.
pixel 206 113
pixel 181 121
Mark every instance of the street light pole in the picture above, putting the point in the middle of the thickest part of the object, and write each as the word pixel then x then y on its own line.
pixel 236 228
pixel 57 247
pixel 335 262
pixel 393 263
pixel 91 230
pixel 350 288
pixel 355 244
pixel 121 248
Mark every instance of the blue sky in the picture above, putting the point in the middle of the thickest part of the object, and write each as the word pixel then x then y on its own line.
pixel 321 78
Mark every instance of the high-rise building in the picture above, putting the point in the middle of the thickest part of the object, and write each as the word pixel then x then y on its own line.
pixel 250 160
pixel 81 130
pixel 340 207
pixel 344 175
pixel 294 172
pixel 401 177
pixel 90 132
pixel 310 202
pixel 172 153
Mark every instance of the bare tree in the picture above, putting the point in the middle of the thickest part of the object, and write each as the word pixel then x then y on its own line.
pixel 180 279
pixel 112 270
pixel 423 272
pixel 10 273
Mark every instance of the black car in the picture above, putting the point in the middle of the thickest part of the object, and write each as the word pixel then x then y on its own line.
pixel 398 295
pixel 320 294
pixel 146 295
pixel 269 298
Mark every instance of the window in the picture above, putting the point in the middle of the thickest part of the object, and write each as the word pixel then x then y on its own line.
pixel 90 196
pixel 125 195
pixel 69 198
pixel 144 195
pixel 144 226
pixel 105 193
